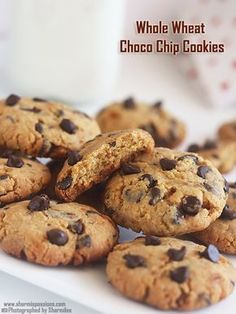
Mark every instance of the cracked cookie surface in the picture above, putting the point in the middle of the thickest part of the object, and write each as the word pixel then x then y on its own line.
pixel 169 273
pixel 222 232
pixel 98 158
pixel 222 154
pixel 166 130
pixel 43 128
pixel 169 193
pixel 50 233
pixel 20 178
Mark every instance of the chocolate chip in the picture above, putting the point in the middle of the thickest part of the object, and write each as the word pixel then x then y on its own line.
pixel 12 100
pixel 134 195
pixel 150 240
pixel 4 176
pixel 193 148
pixel 73 158
pixel 157 105
pixel 76 227
pixel 15 162
pixel 208 187
pixel 37 99
pixel 189 156
pixel 68 126
pixel 39 203
pixel 211 252
pixel 57 237
pixel 34 109
pixel 133 261
pixel 129 169
pixel 167 164
pixel 85 241
pixel 176 255
pixel 151 181
pixel 155 194
pixel 226 187
pixel 209 144
pixel 228 214
pixel 151 129
pixel 129 103
pixel 23 255
pixel 65 183
pixel 39 127
pixel 202 171
pixel 190 205
pixel 179 274
pixel 112 144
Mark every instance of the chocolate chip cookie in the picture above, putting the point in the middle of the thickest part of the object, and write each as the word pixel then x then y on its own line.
pixel 222 232
pixel 50 233
pixel 227 131
pixel 38 127
pixel 170 274
pixel 98 158
pixel 170 193
pixel 166 130
pixel 221 154
pixel 20 178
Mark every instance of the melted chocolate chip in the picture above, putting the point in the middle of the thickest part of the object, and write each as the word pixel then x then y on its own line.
pixel 85 241
pixel 190 205
pixel 155 195
pixel 57 237
pixel 4 176
pixel 129 103
pixel 39 127
pixel 39 203
pixel 65 183
pixel 129 169
pixel 151 181
pixel 167 164
pixel 34 109
pixel 177 255
pixel 73 158
pixel 150 240
pixel 37 99
pixel 134 261
pixel 76 227
pixel 193 148
pixel 68 126
pixel 179 274
pixel 15 162
pixel 12 100
pixel 202 171
pixel 211 252
pixel 228 214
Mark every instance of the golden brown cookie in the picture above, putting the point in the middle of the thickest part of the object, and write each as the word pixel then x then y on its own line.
pixel 170 193
pixel 222 154
pixel 170 274
pixel 166 130
pixel 98 158
pixel 50 233
pixel 227 131
pixel 222 232
pixel 43 128
pixel 20 178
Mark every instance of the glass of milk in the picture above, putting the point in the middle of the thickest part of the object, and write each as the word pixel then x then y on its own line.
pixel 64 49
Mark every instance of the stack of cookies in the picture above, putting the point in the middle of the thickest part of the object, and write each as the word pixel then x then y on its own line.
pixel 67 212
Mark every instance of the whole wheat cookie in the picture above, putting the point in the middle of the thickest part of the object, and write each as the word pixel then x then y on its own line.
pixel 166 130
pixel 50 233
pixel 222 154
pixel 20 178
pixel 38 127
pixel 227 131
pixel 170 193
pixel 222 232
pixel 170 274
pixel 98 158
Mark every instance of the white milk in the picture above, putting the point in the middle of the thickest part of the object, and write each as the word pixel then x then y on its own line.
pixel 64 49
